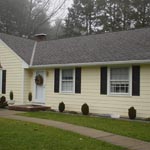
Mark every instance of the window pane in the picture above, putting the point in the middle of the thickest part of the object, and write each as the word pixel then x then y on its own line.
pixel 67 80
pixel 119 86
pixel 67 86
pixel 119 74
pixel 67 74
pixel 119 80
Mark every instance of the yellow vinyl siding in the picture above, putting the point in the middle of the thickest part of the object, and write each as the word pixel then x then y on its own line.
pixel 27 84
pixel 14 74
pixel 102 104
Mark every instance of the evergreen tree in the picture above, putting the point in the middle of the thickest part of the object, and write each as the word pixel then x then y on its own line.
pixel 81 18
pixel 96 16
pixel 73 22
pixel 115 15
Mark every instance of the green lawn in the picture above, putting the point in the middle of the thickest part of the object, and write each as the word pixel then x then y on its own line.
pixel 133 129
pixel 18 135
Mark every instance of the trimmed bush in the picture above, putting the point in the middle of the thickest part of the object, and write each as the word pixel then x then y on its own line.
pixel 61 107
pixel 147 119
pixel 3 99
pixel 132 113
pixel 3 102
pixel 11 95
pixel 30 96
pixel 85 109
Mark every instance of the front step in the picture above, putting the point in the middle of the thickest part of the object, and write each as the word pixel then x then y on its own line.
pixel 29 108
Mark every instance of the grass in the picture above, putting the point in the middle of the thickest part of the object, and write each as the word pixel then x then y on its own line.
pixel 138 130
pixel 20 135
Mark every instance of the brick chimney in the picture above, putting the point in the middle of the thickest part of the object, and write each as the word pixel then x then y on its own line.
pixel 40 37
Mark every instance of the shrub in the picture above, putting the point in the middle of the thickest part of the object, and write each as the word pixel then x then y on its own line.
pixel 147 119
pixel 85 109
pixel 30 96
pixel 61 107
pixel 132 113
pixel 3 102
pixel 11 95
pixel 3 99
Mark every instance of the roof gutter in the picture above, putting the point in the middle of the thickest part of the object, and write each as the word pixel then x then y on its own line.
pixel 93 64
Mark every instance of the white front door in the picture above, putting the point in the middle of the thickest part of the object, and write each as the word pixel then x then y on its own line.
pixel 40 89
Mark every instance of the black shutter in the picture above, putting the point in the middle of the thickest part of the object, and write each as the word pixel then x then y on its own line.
pixel 136 80
pixel 3 81
pixel 78 80
pixel 56 80
pixel 103 80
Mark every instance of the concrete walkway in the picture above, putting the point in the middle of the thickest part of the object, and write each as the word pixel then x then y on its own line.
pixel 129 143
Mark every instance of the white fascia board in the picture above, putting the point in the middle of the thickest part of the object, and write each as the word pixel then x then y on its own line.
pixel 93 64
pixel 24 64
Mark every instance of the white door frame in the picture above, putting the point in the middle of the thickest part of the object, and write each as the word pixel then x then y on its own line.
pixel 44 82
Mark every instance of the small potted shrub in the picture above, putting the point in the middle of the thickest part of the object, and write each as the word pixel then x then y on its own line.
pixel 85 109
pixel 61 107
pixel 3 102
pixel 11 96
pixel 30 96
pixel 132 113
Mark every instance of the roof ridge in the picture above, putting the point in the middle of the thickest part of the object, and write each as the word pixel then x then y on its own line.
pixel 135 29
pixel 103 33
pixel 33 53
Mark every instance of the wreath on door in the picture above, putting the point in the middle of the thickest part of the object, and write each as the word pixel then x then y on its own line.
pixel 39 79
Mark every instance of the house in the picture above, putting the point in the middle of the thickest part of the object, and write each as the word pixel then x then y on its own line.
pixel 110 72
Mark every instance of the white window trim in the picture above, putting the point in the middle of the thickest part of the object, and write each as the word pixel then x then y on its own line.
pixel 60 82
pixel 1 81
pixel 130 82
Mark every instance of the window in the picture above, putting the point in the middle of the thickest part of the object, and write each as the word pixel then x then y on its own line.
pixel 119 81
pixel 67 80
pixel 0 81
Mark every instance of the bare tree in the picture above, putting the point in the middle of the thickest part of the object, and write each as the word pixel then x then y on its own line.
pixel 27 17
pixel 41 12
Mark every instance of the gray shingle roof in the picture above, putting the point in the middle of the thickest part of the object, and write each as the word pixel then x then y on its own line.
pixel 21 46
pixel 116 46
